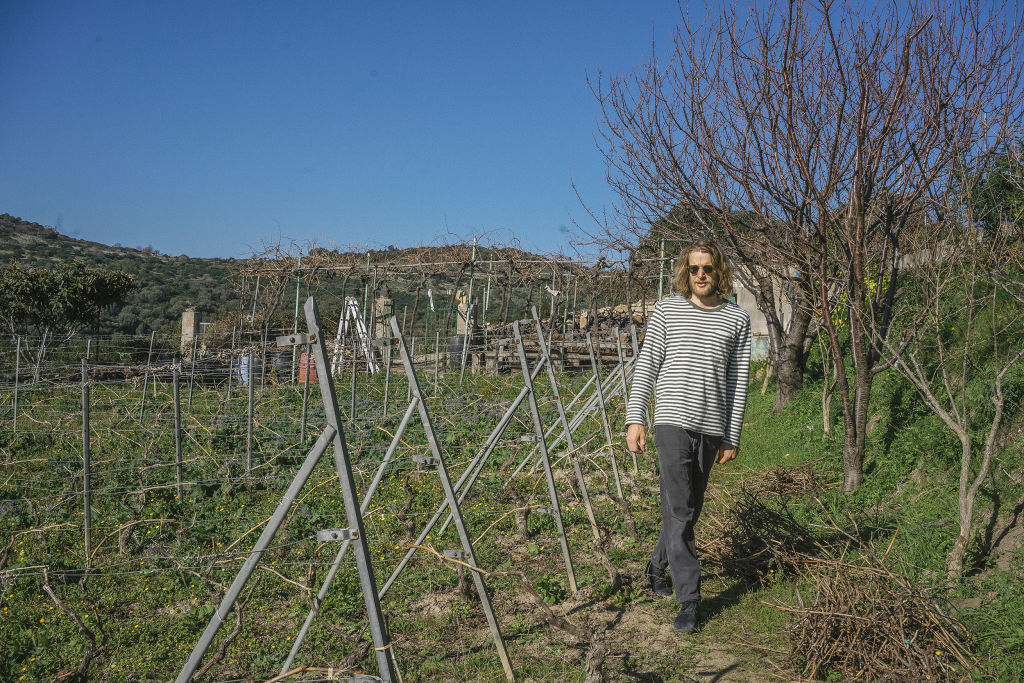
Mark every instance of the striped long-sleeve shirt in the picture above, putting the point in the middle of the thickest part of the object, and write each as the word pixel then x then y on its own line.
pixel 700 361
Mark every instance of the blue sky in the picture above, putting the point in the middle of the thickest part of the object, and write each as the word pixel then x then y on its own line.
pixel 206 127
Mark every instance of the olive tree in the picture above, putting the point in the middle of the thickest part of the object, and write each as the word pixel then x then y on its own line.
pixel 54 303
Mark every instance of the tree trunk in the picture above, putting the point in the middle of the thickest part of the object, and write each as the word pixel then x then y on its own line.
pixel 788 342
pixel 857 420
pixel 968 492
pixel 826 407
pixel 40 357
pixel 854 423
pixel 852 474
pixel 791 360
pixel 955 560
pixel 415 306
pixel 789 380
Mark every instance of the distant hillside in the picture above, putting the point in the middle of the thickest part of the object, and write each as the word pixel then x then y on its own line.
pixel 167 284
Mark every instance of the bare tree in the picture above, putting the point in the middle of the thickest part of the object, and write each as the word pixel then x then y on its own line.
pixel 810 136
pixel 959 334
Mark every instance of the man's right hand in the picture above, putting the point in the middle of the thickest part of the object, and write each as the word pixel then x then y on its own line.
pixel 636 438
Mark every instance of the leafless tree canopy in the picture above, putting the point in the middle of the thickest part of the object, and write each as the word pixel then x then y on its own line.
pixel 811 137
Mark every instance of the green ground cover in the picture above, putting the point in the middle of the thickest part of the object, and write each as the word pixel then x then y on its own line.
pixel 160 564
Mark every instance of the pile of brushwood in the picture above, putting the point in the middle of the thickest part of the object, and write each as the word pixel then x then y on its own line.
pixel 863 621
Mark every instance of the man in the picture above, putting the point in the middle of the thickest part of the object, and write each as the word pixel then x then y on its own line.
pixel 697 352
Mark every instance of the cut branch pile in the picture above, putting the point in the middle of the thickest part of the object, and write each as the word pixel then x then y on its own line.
pixel 865 622
pixel 786 482
pixel 868 623
pixel 754 538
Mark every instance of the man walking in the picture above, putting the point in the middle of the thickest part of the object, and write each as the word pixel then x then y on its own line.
pixel 697 353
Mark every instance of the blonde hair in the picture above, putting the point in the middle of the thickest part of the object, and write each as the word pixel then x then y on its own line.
pixel 722 275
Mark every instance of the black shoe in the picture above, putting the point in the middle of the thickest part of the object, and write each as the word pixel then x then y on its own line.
pixel 686 620
pixel 661 584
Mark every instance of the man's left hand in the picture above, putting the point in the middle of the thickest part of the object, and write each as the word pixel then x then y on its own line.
pixel 726 453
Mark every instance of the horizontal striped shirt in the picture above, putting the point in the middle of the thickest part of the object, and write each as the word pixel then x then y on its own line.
pixel 699 361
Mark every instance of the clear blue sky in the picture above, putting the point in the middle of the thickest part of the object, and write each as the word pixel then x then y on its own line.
pixel 205 127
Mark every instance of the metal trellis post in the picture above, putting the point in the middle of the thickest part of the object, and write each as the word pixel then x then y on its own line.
pixel 381 640
pixel 336 564
pixel 567 430
pixel 86 464
pixel 192 373
pixel 145 382
pixel 17 381
pixel 305 395
pixel 604 416
pixel 465 481
pixel 228 601
pixel 352 390
pixel 453 505
pixel 249 417
pixel 231 361
pixel 437 355
pixel 412 354
pixel 177 435
pixel 263 359
pixel 295 323
pixel 625 391
pixel 487 301
pixel 255 296
pixel 556 508
pixel 661 271
pixel 387 380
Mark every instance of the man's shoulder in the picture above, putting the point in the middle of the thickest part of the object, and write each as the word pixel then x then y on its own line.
pixel 665 306
pixel 733 309
pixel 672 303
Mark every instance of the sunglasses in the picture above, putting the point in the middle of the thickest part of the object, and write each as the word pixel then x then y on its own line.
pixel 708 270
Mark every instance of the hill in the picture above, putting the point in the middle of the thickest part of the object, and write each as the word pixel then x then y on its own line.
pixel 166 284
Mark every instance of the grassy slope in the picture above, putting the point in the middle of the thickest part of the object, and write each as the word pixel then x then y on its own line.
pixel 910 491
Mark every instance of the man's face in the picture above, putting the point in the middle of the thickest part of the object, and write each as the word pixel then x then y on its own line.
pixel 702 282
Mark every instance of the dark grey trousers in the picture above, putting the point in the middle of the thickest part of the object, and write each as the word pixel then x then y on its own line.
pixel 685 458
